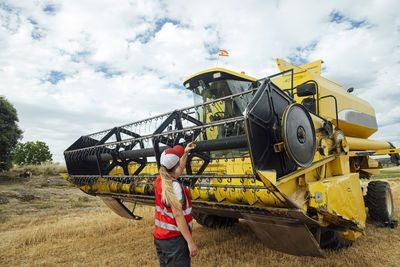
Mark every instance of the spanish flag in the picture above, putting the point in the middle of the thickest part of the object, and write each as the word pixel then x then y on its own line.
pixel 223 53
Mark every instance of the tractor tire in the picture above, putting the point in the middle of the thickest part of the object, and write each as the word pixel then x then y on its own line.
pixel 333 240
pixel 379 201
pixel 214 221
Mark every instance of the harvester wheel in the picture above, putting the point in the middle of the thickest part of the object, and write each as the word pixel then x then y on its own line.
pixel 379 201
pixel 333 240
pixel 214 221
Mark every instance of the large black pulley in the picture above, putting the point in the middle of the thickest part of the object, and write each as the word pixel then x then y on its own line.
pixel 298 135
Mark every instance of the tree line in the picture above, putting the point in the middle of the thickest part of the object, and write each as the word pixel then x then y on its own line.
pixel 11 150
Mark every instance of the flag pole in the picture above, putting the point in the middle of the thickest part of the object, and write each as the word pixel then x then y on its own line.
pixel 217 61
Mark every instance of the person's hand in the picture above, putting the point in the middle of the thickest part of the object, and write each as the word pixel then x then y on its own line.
pixel 193 249
pixel 189 147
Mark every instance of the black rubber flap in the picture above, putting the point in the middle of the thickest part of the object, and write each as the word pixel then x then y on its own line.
pixel 262 118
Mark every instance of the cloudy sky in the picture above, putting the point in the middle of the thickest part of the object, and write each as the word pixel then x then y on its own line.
pixel 75 67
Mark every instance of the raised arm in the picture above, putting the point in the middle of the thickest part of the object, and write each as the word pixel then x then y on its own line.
pixel 182 162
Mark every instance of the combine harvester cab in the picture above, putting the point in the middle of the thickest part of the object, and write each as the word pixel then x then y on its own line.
pixel 285 152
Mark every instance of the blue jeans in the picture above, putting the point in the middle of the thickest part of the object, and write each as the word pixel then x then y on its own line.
pixel 173 252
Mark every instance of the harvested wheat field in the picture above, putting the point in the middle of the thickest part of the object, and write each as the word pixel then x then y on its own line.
pixel 46 222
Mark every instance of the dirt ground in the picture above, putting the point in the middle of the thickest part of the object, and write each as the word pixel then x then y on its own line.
pixel 47 222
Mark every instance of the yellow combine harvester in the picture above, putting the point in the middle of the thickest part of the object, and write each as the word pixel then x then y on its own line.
pixel 285 152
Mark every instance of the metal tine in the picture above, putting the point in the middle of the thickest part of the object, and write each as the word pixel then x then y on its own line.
pixel 175 137
pixel 143 128
pixel 210 125
pixel 226 129
pixel 147 141
pixel 183 109
pixel 139 128
pixel 154 125
pixel 150 127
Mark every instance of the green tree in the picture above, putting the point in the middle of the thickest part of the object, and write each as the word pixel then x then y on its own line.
pixel 9 133
pixel 34 153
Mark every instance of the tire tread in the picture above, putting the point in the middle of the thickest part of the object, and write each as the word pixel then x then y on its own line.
pixel 376 201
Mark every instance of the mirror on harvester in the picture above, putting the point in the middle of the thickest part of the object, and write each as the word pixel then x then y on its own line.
pixel 351 89
pixel 306 89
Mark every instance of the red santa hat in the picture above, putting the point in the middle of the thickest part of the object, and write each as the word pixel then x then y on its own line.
pixel 170 157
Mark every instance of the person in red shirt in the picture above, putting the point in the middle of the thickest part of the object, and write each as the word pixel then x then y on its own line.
pixel 173 214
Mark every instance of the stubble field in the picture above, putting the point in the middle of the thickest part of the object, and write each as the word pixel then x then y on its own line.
pixel 46 222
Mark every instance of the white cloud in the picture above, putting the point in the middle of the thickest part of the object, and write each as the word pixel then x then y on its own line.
pixel 121 61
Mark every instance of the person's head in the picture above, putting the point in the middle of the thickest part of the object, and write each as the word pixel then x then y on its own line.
pixel 169 161
pixel 170 157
